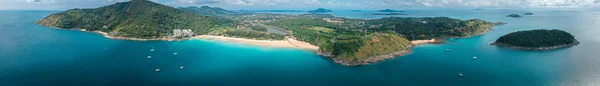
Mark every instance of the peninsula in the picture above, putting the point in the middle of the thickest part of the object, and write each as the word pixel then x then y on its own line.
pixel 540 39
pixel 346 41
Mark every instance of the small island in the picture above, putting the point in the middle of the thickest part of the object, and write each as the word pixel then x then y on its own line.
pixel 389 10
pixel 540 39
pixel 389 14
pixel 514 16
pixel 320 10
pixel 528 13
pixel 355 10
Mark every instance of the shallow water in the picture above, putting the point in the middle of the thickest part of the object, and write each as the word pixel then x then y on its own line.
pixel 35 55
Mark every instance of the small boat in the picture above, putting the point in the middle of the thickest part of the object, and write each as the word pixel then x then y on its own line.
pixel 474 57
pixel 152 49
pixel 106 48
pixel 175 53
pixel 461 74
pixel 157 70
pixel 181 68
pixel 149 57
pixel 447 50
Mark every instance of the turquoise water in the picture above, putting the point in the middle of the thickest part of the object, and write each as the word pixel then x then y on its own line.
pixel 33 55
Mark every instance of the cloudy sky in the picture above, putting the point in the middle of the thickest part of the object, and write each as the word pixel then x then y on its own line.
pixel 309 4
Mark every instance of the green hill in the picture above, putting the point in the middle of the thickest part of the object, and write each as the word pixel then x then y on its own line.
pixel 136 18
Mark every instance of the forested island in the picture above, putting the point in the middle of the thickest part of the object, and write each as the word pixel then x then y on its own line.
pixel 346 41
pixel 540 39
pixel 389 14
pixel 514 16
pixel 320 10
pixel 529 13
pixel 389 10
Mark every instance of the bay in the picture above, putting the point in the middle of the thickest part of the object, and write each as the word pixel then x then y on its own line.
pixel 34 55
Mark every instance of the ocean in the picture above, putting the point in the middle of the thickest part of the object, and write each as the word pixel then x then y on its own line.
pixel 34 55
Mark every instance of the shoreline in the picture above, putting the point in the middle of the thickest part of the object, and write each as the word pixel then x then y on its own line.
pixel 392 55
pixel 288 42
pixel 535 48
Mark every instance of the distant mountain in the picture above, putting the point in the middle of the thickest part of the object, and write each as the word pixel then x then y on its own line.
pixel 320 10
pixel 136 18
pixel 206 10
pixel 389 10
pixel 272 11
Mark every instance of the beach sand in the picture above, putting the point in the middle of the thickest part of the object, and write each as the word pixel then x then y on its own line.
pixel 417 42
pixel 288 42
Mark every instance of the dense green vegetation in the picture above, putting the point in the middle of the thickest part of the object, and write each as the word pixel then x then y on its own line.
pixel 428 28
pixel 137 18
pixel 352 40
pixel 250 34
pixel 537 38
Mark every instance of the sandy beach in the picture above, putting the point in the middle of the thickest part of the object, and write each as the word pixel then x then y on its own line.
pixel 288 42
pixel 417 42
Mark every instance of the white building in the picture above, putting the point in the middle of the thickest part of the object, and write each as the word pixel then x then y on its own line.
pixel 182 32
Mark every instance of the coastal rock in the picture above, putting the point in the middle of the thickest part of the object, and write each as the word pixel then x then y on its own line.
pixel 358 62
pixel 535 48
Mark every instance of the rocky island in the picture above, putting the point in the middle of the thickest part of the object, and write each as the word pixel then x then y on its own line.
pixel 349 42
pixel 540 39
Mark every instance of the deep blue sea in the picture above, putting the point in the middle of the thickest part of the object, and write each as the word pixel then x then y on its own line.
pixel 34 55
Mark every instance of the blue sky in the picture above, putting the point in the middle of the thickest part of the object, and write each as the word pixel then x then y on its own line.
pixel 309 4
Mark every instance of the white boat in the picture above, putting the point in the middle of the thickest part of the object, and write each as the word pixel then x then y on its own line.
pixel 447 50
pixel 475 57
pixel 152 49
pixel 149 57
pixel 181 68
pixel 175 53
pixel 460 74
pixel 157 70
